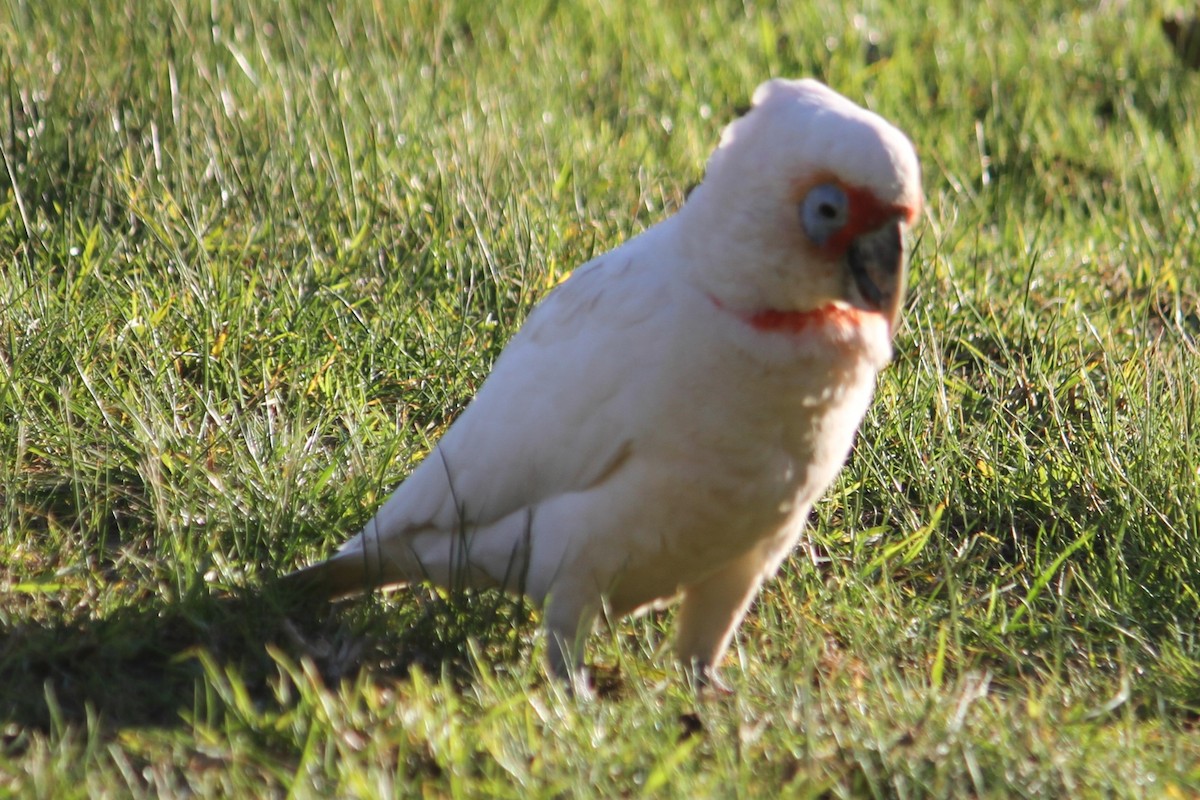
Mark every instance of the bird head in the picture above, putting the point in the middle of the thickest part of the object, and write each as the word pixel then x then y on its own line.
pixel 808 196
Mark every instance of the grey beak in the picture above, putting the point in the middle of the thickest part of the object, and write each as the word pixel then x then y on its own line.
pixel 876 261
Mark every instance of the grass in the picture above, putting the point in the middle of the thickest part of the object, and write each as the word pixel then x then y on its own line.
pixel 257 256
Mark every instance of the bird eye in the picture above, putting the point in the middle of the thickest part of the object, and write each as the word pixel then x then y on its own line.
pixel 824 212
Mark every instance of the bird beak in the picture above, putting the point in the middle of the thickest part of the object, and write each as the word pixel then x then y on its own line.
pixel 876 261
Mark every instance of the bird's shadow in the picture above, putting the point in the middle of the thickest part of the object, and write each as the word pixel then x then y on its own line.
pixel 138 665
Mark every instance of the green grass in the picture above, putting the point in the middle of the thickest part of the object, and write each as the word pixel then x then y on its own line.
pixel 254 258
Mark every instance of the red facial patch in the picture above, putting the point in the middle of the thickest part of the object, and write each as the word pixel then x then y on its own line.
pixel 866 212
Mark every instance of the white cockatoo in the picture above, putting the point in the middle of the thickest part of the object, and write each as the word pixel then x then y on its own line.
pixel 664 420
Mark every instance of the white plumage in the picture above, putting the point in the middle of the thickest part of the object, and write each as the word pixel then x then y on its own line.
pixel 665 419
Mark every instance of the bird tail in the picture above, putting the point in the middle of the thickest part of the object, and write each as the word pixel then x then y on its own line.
pixel 343 575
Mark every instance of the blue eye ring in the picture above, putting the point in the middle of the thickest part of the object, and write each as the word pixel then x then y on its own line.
pixel 824 211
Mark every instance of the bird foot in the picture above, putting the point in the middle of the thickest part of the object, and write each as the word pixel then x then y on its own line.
pixel 706 681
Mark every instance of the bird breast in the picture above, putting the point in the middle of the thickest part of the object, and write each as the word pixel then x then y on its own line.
pixel 750 445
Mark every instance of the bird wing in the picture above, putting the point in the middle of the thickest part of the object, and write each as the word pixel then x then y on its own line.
pixel 559 412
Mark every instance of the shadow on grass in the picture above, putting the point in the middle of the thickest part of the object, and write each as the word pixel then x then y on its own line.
pixel 138 667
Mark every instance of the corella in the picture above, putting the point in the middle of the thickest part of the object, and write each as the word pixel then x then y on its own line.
pixel 664 420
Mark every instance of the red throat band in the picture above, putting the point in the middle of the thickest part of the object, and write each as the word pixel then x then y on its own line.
pixel 779 321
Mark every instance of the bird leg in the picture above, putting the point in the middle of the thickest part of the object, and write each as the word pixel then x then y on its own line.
pixel 568 622
pixel 709 614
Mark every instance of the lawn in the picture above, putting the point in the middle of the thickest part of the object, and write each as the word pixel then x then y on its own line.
pixel 255 257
